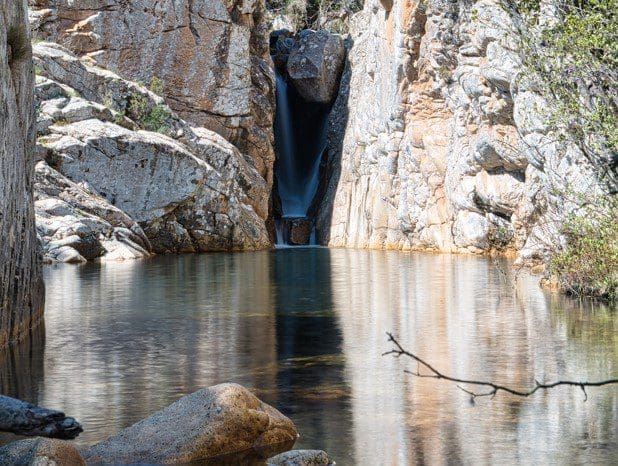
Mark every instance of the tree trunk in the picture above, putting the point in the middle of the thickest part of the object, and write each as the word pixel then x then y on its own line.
pixel 21 285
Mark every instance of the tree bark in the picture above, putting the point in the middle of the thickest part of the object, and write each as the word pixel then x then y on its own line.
pixel 24 418
pixel 21 284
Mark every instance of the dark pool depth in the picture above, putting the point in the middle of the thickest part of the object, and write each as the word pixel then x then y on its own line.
pixel 305 329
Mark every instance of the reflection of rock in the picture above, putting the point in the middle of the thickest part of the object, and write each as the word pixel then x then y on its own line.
pixel 315 64
pixel 297 231
pixel 301 458
pixel 41 452
pixel 213 422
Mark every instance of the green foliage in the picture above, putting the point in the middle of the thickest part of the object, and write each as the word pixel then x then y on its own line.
pixel 573 53
pixel 150 117
pixel 316 14
pixel 18 42
pixel 157 86
pixel 588 265
pixel 156 119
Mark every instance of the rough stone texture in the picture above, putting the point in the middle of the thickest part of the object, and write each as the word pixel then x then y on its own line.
pixel 434 142
pixel 23 418
pixel 314 65
pixel 41 452
pixel 21 284
pixel 301 458
pixel 297 231
pixel 75 224
pixel 213 422
pixel 211 56
pixel 139 191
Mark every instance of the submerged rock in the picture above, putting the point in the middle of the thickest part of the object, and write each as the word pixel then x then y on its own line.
pixel 215 422
pixel 301 458
pixel 41 452
pixel 315 64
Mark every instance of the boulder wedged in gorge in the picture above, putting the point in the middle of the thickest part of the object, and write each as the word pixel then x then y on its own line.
pixel 21 283
pixel 314 65
pixel 110 189
pixel 211 57
pixel 435 143
pixel 210 424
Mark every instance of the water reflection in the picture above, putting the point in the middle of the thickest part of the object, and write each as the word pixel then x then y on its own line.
pixel 305 329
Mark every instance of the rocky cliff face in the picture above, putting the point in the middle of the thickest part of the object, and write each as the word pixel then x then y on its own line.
pixel 212 58
pixel 21 285
pixel 436 141
pixel 108 189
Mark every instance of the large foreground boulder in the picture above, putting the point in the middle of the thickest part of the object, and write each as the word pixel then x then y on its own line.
pixel 315 64
pixel 212 423
pixel 41 452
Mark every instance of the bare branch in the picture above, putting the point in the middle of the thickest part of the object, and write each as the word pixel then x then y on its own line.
pixel 433 373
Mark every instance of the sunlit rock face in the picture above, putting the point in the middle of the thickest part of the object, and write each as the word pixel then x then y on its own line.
pixel 212 58
pixel 21 285
pixel 226 419
pixel 434 141
pixel 108 189
pixel 314 65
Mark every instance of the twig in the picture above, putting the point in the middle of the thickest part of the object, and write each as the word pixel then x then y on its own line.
pixel 399 351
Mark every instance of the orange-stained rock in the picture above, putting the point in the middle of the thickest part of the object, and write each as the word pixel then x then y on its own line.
pixel 212 58
pixel 214 422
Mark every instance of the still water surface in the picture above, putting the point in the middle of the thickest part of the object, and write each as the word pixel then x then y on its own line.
pixel 305 329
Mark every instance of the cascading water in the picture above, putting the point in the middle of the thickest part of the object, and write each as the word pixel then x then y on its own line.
pixel 300 140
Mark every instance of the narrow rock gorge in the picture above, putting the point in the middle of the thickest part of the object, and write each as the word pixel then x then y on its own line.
pixel 420 120
pixel 21 284
pixel 437 142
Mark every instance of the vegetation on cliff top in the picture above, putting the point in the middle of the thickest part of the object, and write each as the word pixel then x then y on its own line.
pixel 571 49
pixel 316 14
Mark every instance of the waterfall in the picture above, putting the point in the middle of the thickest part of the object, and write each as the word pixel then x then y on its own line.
pixel 300 140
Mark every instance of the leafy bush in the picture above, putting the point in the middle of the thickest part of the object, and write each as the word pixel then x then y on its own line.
pixel 571 49
pixel 151 118
pixel 157 86
pixel 588 265
pixel 156 119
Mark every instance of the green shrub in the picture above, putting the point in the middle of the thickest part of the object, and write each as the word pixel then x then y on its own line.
pixel 316 14
pixel 157 86
pixel 574 57
pixel 151 118
pixel 156 119
pixel 588 265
